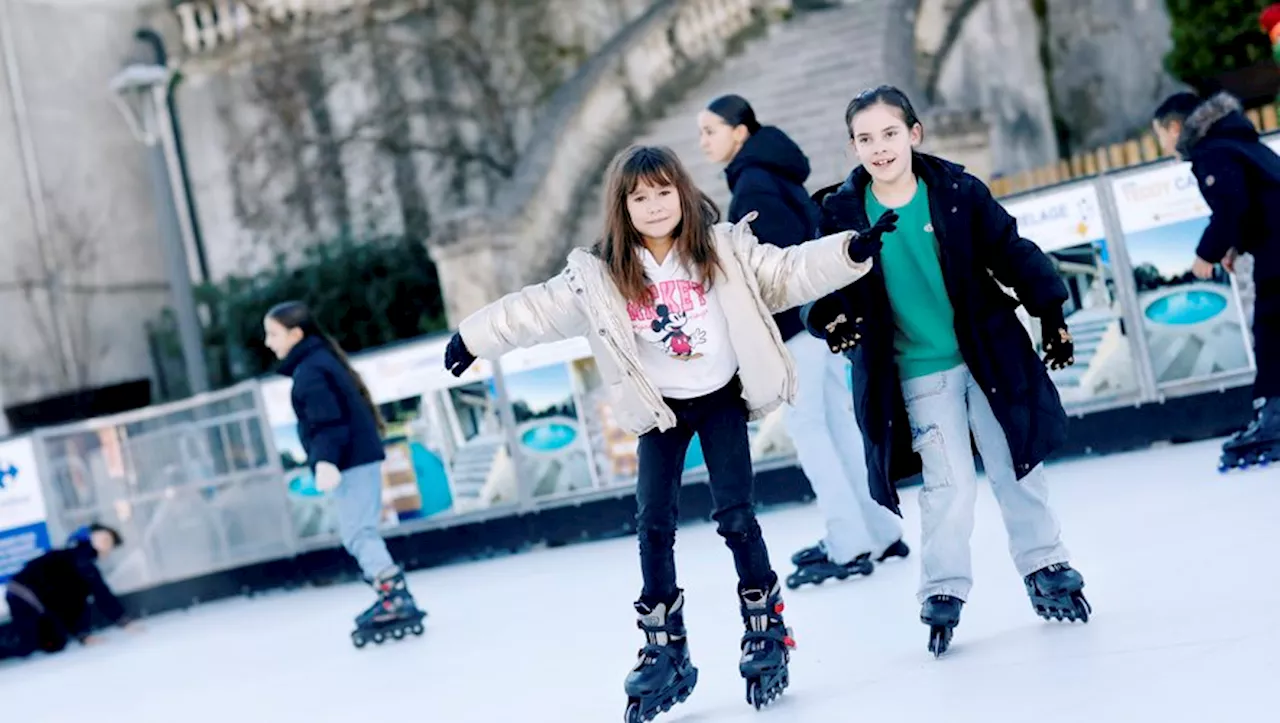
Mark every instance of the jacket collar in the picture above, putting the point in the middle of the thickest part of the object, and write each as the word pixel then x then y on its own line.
pixel 303 349
pixel 1202 120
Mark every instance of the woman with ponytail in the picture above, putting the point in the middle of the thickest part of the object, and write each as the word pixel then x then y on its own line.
pixel 341 431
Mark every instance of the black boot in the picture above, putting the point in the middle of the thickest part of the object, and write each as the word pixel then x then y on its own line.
pixel 766 644
pixel 663 674
pixel 1257 444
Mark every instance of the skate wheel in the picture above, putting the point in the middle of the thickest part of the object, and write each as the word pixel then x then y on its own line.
pixel 792 582
pixel 633 712
pixel 358 640
pixel 398 633
pixel 379 638
pixel 416 629
pixel 755 694
pixel 939 640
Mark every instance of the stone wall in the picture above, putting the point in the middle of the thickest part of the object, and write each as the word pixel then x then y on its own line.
pixel 82 264
pixel 1105 67
pixel 1053 77
pixel 381 119
pixel 493 250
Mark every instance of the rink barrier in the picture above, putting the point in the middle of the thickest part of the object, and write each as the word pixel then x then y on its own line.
pixel 213 499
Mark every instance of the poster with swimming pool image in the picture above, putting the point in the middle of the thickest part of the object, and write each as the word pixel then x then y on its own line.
pixel 555 454
pixel 1195 328
pixel 1067 225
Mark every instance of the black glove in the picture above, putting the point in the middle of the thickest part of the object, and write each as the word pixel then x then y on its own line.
pixel 867 243
pixel 1059 348
pixel 457 357
pixel 843 335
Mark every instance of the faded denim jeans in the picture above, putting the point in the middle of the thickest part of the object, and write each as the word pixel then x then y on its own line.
pixel 829 445
pixel 943 408
pixel 358 500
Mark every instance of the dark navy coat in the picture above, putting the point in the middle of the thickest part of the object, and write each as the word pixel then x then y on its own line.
pixel 767 176
pixel 334 422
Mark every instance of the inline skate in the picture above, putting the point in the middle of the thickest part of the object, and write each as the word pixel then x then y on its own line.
pixel 392 615
pixel 663 674
pixel 942 614
pixel 766 645
pixel 1259 443
pixel 1056 593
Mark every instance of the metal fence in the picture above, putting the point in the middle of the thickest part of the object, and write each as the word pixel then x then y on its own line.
pixel 193 486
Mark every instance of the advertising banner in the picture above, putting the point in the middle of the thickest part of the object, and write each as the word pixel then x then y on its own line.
pixel 553 430
pixel 23 532
pixel 1195 328
pixel 1067 224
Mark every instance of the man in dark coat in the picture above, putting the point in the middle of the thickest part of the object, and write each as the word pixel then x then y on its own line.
pixel 51 599
pixel 977 240
pixel 1239 177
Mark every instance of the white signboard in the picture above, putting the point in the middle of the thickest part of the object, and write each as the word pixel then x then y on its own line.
pixel 1059 220
pixel 23 533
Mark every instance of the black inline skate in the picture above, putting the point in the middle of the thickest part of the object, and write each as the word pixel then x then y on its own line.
pixel 1259 443
pixel 814 567
pixel 663 675
pixel 897 549
pixel 392 615
pixel 1056 593
pixel 942 614
pixel 766 645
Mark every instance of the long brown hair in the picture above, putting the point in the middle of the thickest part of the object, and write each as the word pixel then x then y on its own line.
pixel 296 315
pixel 693 237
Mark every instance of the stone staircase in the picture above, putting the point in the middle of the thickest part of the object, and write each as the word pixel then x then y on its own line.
pixel 799 77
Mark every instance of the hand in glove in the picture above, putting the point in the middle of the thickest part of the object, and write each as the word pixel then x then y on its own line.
pixel 843 335
pixel 867 243
pixel 328 477
pixel 457 357
pixel 829 321
pixel 1059 348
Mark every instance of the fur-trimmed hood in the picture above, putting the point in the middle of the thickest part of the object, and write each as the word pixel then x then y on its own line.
pixel 1221 114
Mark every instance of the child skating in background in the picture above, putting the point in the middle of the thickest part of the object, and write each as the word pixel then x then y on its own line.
pixel 1239 178
pixel 939 354
pixel 666 268
pixel 341 431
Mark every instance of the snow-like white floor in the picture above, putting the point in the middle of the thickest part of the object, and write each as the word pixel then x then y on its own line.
pixel 1180 565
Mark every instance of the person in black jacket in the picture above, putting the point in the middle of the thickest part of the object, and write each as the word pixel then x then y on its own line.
pixel 341 431
pixel 1239 177
pixel 939 355
pixel 51 600
pixel 766 172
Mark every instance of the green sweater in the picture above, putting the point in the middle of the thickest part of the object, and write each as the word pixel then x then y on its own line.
pixel 924 339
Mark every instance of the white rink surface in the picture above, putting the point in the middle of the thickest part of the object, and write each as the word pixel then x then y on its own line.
pixel 1179 563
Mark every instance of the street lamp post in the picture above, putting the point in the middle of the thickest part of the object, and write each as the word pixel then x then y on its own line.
pixel 140 92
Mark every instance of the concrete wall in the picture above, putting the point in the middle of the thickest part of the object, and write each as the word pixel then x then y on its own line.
pixel 78 218
pixel 260 198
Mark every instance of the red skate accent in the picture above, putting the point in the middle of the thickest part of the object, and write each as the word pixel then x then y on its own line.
pixel 779 607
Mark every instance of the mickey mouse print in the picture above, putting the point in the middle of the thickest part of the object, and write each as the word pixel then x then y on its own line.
pixel 682 332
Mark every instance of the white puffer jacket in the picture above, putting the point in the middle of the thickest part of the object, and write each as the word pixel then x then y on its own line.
pixel 758 280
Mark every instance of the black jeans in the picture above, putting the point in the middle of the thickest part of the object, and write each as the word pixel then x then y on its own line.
pixel 720 420
pixel 33 630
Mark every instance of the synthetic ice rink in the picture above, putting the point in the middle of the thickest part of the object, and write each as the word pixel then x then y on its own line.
pixel 1179 562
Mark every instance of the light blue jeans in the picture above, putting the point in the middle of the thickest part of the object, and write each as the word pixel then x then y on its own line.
pixel 358 501
pixel 829 446
pixel 943 409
